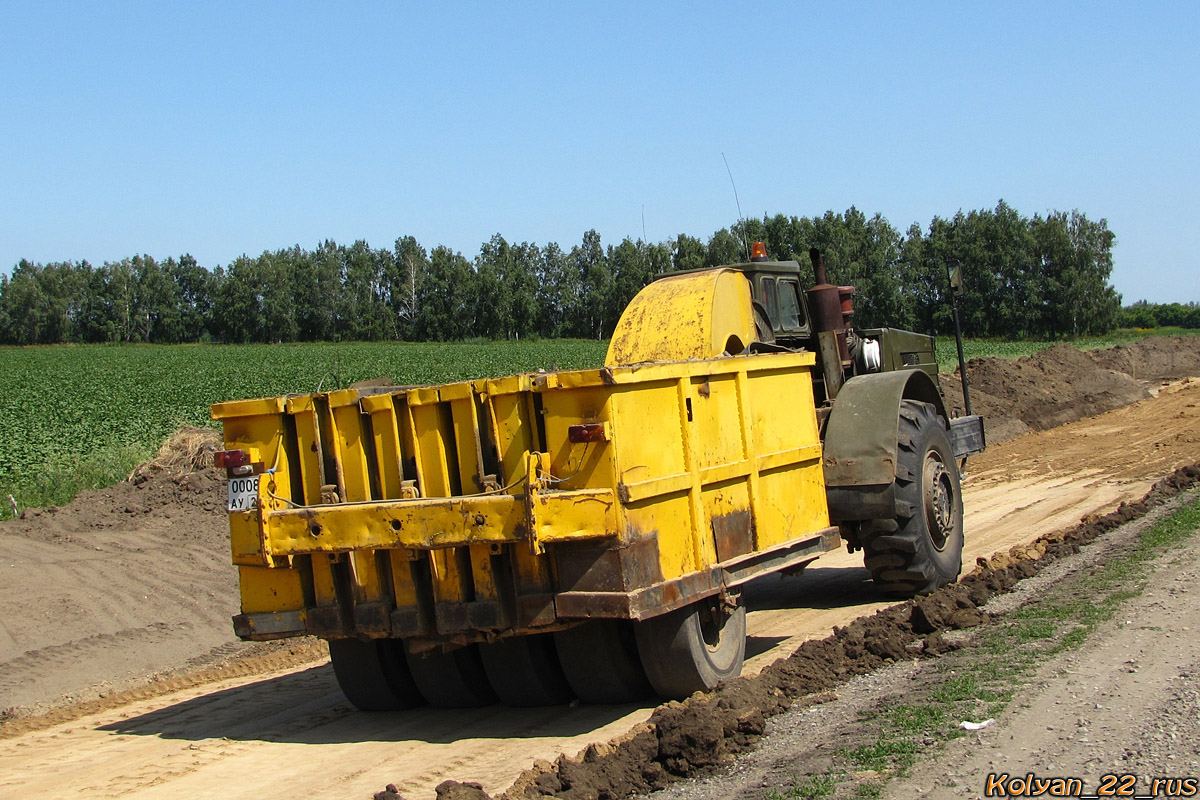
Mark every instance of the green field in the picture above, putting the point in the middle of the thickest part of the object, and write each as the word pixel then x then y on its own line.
pixel 81 416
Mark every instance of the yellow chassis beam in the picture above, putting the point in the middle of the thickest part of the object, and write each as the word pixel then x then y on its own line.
pixel 544 517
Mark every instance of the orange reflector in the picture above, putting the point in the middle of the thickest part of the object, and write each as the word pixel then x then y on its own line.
pixel 588 432
pixel 758 251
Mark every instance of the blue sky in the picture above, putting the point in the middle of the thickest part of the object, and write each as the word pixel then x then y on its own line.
pixel 227 128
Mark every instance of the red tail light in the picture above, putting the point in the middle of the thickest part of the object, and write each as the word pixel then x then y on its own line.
pixel 230 459
pixel 588 432
pixel 237 463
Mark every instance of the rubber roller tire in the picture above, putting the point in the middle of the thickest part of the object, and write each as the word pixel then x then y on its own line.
pixel 600 659
pixel 373 674
pixel 524 671
pixel 692 649
pixel 920 550
pixel 452 679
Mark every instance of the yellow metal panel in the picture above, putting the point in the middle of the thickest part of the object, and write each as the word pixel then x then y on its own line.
pixel 351 451
pixel 404 589
pixel 715 424
pixel 247 408
pixel 587 514
pixel 455 391
pixel 299 403
pixel 440 523
pixel 635 491
pixel 322 578
pixel 368 583
pixel 342 398
pixel 500 386
pixel 419 524
pixel 791 496
pixel 791 502
pixel 647 433
pixel 728 518
pixel 423 395
pixel 701 546
pixel 468 455
pixel 245 538
pixel 410 448
pixel 786 458
pixel 514 430
pixel 482 577
pixel 451 574
pixel 308 444
pixel 385 427
pixel 698 315
pixel 270 590
pixel 578 466
pixel 261 436
pixel 533 573
pixel 783 415
pixel 432 432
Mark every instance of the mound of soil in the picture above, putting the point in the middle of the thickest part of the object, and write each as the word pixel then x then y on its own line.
pixel 120 584
pixel 1063 384
pixel 1155 359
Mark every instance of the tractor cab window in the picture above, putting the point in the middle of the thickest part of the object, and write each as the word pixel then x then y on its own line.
pixel 770 301
pixel 789 306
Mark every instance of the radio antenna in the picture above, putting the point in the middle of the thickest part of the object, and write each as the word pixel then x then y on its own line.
pixel 644 239
pixel 741 219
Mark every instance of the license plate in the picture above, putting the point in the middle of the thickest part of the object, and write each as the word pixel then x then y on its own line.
pixel 243 493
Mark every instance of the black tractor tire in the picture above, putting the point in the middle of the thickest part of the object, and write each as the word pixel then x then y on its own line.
pixel 373 674
pixel 920 550
pixel 524 671
pixel 452 679
pixel 600 659
pixel 692 649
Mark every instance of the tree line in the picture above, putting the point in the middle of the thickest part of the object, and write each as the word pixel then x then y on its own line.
pixel 1040 276
pixel 1161 315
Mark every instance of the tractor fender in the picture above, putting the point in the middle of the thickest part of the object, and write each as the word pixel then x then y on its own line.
pixel 860 441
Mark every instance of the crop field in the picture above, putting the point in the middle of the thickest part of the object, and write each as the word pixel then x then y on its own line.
pixel 82 416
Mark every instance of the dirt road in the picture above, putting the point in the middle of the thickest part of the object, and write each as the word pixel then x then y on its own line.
pixel 1125 704
pixel 290 731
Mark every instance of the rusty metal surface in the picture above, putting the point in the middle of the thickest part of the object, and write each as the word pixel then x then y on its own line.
pixel 733 534
pixel 600 568
pixel 373 619
pixel 324 621
pixel 266 626
pixel 669 595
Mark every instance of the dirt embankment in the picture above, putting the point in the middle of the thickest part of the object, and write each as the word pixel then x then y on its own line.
pixel 1063 384
pixel 118 586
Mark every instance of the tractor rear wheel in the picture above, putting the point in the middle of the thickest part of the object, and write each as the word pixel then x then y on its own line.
pixel 692 649
pixel 373 674
pixel 920 550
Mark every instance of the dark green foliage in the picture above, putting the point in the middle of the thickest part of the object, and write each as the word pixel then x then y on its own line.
pixel 1160 315
pixel 1045 277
